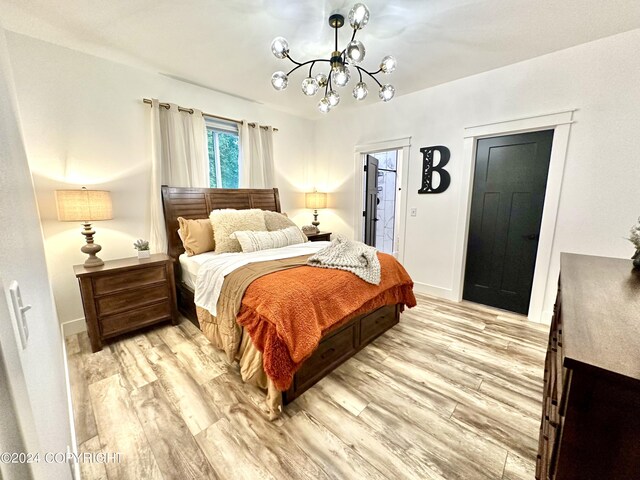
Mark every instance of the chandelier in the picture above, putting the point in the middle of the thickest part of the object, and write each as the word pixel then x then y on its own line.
pixel 340 63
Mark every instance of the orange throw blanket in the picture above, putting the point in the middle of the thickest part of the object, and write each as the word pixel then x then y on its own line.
pixel 286 313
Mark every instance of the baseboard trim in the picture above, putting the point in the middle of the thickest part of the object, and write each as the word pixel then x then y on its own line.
pixel 545 317
pixel 434 291
pixel 73 326
pixel 73 447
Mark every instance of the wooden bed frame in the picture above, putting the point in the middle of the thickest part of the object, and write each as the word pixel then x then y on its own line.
pixel 335 347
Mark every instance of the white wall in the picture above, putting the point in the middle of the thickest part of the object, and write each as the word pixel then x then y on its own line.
pixel 85 124
pixel 36 374
pixel 600 197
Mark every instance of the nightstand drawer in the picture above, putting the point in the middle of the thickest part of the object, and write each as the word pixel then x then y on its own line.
pixel 130 299
pixel 125 294
pixel 319 237
pixel 133 319
pixel 126 281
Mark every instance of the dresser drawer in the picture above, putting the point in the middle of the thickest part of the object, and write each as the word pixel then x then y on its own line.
pixel 331 352
pixel 379 321
pixel 133 319
pixel 140 277
pixel 130 299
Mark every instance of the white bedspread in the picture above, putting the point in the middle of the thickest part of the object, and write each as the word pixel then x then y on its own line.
pixel 212 272
pixel 189 267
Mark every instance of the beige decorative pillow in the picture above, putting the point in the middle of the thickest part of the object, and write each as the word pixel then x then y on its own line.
pixel 255 241
pixel 227 221
pixel 196 235
pixel 277 221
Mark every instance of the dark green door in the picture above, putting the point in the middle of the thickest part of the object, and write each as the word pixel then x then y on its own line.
pixel 506 212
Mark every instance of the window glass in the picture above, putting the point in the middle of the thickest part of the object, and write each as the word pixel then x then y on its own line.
pixel 223 151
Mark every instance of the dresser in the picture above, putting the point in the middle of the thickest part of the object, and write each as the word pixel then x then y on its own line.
pixel 125 295
pixel 590 427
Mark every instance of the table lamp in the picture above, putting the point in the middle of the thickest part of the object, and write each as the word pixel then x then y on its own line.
pixel 316 200
pixel 85 206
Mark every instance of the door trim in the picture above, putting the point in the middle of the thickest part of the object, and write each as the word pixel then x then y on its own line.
pixel 404 145
pixel 540 307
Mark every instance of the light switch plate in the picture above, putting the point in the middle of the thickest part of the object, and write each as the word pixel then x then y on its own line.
pixel 414 211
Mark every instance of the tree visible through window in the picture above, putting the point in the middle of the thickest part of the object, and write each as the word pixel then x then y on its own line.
pixel 223 158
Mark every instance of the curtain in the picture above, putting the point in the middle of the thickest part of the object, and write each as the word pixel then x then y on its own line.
pixel 178 159
pixel 257 168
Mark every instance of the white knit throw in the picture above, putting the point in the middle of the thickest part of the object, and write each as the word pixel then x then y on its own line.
pixel 355 257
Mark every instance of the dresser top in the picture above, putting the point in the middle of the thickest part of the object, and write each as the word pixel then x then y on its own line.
pixel 601 313
pixel 121 263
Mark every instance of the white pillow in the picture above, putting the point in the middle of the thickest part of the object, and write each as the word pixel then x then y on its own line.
pixel 277 221
pixel 227 221
pixel 255 241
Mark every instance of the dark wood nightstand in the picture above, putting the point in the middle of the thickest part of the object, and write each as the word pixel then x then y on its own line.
pixel 319 237
pixel 125 295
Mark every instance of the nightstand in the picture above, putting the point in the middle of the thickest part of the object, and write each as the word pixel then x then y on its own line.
pixel 125 295
pixel 319 237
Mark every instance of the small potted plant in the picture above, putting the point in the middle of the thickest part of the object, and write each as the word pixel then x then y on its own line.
pixel 634 238
pixel 142 246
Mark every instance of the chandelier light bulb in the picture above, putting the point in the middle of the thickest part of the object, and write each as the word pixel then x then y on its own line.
pixel 387 92
pixel 334 98
pixel 341 76
pixel 309 86
pixel 280 47
pixel 323 105
pixel 322 80
pixel 360 91
pixel 359 16
pixel 279 80
pixel 355 52
pixel 388 64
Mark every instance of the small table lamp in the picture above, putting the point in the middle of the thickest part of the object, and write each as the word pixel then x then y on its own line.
pixel 316 200
pixel 85 206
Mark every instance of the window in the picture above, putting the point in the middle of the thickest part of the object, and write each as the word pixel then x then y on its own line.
pixel 223 149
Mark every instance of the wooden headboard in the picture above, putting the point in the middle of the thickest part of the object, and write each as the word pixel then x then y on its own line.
pixel 198 202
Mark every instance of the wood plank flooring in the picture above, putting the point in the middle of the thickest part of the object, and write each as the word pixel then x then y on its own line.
pixel 452 392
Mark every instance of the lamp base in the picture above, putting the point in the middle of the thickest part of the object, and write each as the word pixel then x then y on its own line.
pixel 91 248
pixel 315 222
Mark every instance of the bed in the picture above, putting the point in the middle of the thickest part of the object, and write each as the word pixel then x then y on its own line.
pixel 336 345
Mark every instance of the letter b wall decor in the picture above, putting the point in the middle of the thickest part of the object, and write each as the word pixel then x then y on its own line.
pixel 428 168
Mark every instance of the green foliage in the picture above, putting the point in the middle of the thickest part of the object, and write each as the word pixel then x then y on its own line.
pixel 211 138
pixel 229 160
pixel 141 244
pixel 227 144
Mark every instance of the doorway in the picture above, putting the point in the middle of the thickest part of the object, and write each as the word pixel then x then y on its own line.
pixel 381 200
pixel 506 213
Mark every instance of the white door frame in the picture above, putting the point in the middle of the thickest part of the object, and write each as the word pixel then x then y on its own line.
pixel 404 146
pixel 560 122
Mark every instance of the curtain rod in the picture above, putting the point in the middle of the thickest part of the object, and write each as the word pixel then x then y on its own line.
pixel 190 110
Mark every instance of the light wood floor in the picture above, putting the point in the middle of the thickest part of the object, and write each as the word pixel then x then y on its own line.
pixel 452 392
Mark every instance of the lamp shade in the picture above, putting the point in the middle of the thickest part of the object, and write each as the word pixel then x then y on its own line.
pixel 316 200
pixel 83 205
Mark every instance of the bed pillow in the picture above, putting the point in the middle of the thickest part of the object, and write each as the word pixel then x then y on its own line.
pixel 277 221
pixel 255 241
pixel 196 235
pixel 227 221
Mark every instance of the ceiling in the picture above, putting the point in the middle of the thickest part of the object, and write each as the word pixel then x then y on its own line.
pixel 225 45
